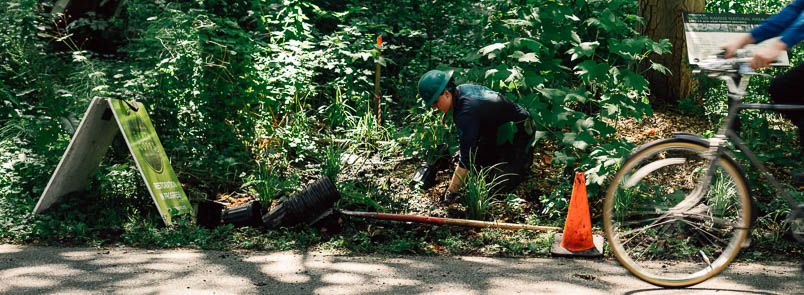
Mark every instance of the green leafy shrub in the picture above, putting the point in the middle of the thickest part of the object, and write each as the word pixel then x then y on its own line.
pixel 250 95
pixel 570 64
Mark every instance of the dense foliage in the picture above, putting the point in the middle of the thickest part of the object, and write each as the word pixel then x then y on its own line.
pixel 259 96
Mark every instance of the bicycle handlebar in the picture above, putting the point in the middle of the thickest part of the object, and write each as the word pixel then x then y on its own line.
pixel 718 65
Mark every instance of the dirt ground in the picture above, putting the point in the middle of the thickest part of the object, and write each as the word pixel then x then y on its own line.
pixel 396 173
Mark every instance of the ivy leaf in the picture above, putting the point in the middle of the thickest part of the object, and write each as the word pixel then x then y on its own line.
pixel 590 71
pixel 630 48
pixel 538 135
pixel 362 55
pixel 610 110
pixel 516 75
pixel 659 67
pixel 593 176
pixel 490 72
pixel 578 144
pixel 535 107
pixel 562 158
pixel 661 47
pixel 575 38
pixel 491 48
pixel 382 61
pixel 603 129
pixel 579 141
pixel 583 49
pixel 633 80
pixel 584 124
pixel 531 44
pixel 575 96
pixel 552 93
pixel 525 57
pixel 607 21
pixel 533 78
pixel 563 116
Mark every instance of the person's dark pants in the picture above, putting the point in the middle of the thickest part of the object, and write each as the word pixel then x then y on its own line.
pixel 787 88
pixel 510 160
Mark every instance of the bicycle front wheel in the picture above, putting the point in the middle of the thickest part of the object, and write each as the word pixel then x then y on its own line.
pixel 663 227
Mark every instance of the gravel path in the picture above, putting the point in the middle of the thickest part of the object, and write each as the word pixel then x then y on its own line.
pixel 48 270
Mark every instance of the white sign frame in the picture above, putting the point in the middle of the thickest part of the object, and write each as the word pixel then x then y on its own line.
pixel 86 150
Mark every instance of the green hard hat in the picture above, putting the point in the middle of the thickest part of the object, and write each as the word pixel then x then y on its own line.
pixel 432 84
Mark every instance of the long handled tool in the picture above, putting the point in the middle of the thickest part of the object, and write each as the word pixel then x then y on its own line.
pixel 316 199
pixel 448 221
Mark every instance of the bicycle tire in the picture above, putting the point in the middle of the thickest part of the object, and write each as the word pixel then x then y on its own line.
pixel 647 183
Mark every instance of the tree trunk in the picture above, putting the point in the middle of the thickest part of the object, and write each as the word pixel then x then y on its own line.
pixel 663 20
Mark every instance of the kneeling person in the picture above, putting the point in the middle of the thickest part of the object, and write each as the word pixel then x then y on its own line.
pixel 478 113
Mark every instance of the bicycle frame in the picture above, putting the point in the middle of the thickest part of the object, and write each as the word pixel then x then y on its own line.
pixel 717 143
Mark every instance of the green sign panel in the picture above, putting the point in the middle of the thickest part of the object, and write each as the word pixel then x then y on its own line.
pixel 151 159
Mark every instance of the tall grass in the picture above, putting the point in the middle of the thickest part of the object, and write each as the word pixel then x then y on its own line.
pixel 481 186
pixel 331 166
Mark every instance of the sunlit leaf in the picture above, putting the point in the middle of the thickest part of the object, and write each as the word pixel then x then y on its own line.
pixel 491 48
pixel 583 49
pixel 525 57
pixel 660 68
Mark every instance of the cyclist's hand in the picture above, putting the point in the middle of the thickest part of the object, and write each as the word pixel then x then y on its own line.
pixel 765 56
pixel 732 46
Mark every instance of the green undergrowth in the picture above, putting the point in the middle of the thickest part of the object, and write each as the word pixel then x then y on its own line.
pixel 260 97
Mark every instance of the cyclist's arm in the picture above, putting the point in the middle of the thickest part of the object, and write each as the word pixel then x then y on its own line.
pixel 795 32
pixel 783 23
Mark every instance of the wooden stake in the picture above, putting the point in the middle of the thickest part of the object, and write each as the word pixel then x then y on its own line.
pixel 377 81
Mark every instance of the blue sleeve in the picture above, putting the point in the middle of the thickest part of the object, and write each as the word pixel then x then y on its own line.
pixel 468 132
pixel 787 23
pixel 794 33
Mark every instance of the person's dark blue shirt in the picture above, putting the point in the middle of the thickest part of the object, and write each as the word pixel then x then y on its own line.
pixel 478 109
pixel 788 23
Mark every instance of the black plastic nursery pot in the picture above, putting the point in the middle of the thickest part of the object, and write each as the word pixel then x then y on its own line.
pixel 305 206
pixel 246 215
pixel 211 214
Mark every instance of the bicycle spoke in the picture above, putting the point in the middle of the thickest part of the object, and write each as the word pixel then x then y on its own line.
pixel 642 230
pixel 639 221
pixel 658 234
pixel 700 229
pixel 715 220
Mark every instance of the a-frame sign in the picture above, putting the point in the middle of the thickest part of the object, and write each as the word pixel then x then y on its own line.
pixel 103 119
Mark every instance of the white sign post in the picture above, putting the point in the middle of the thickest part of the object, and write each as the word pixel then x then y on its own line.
pixel 103 119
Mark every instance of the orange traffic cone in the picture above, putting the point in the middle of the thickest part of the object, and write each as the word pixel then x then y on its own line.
pixel 577 239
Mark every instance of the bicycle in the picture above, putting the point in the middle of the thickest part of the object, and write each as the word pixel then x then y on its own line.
pixel 679 209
